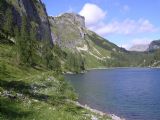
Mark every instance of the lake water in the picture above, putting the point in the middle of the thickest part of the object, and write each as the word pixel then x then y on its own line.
pixel 132 93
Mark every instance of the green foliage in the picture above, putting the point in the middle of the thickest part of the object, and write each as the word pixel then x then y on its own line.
pixel 29 50
pixel 33 46
pixel 26 43
pixel 37 95
pixel 23 42
pixel 102 42
pixel 57 50
pixel 8 24
pixel 2 9
pixel 2 70
pixel 51 55
pixel 47 55
pixel 57 64
pixel 17 44
pixel 75 62
pixel 157 55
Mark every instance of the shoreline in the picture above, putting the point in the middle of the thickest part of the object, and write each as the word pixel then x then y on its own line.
pixel 107 68
pixel 112 116
pixel 94 110
pixel 103 68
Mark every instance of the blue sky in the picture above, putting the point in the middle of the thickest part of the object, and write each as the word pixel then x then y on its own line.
pixel 123 22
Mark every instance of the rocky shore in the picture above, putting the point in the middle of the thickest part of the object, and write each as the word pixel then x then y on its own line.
pixel 112 116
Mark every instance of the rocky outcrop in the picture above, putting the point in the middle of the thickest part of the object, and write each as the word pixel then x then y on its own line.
pixel 154 45
pixel 68 30
pixel 73 18
pixel 36 14
pixel 71 34
pixel 139 47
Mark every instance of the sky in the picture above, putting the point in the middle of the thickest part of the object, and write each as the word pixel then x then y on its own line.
pixel 123 22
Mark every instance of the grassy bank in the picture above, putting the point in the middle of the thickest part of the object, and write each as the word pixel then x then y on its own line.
pixel 35 93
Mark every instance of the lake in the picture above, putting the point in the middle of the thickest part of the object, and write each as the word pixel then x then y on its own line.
pixel 131 93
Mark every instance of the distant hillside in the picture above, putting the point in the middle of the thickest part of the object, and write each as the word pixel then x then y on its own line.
pixel 154 45
pixel 139 47
pixel 81 48
pixel 72 36
pixel 35 51
pixel 32 85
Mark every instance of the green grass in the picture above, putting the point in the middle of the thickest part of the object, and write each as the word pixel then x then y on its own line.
pixel 36 94
pixel 92 62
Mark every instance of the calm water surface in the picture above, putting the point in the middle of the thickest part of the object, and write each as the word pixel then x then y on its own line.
pixel 132 93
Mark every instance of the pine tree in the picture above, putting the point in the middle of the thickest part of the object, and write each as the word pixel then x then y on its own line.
pixel 8 23
pixel 17 45
pixel 1 16
pixel 75 62
pixel 2 70
pixel 56 64
pixel 157 55
pixel 33 46
pixel 47 54
pixel 24 42
pixel 2 4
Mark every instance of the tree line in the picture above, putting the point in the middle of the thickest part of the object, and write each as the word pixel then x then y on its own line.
pixel 30 51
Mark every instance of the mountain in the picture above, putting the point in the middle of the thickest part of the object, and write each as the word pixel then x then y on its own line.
pixel 32 85
pixel 34 10
pixel 154 45
pixel 139 47
pixel 34 52
pixel 81 48
pixel 71 34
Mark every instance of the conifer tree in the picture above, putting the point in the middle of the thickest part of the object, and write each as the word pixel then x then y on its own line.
pixel 8 23
pixel 47 55
pixel 33 46
pixel 2 70
pixel 56 64
pixel 24 42
pixel 17 43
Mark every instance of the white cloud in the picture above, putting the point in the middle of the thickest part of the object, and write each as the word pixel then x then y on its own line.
pixel 125 27
pixel 95 20
pixel 137 41
pixel 92 13
pixel 126 46
pixel 141 41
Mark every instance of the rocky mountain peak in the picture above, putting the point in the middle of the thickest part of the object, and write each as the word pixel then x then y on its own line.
pixel 36 15
pixel 139 47
pixel 73 18
pixel 154 45
pixel 68 29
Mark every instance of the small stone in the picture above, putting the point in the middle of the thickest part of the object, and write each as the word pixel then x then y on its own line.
pixel 94 118
pixel 35 100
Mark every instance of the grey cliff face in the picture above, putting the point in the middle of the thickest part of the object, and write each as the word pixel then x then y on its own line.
pixel 154 45
pixel 35 12
pixel 139 47
pixel 74 18
pixel 68 29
